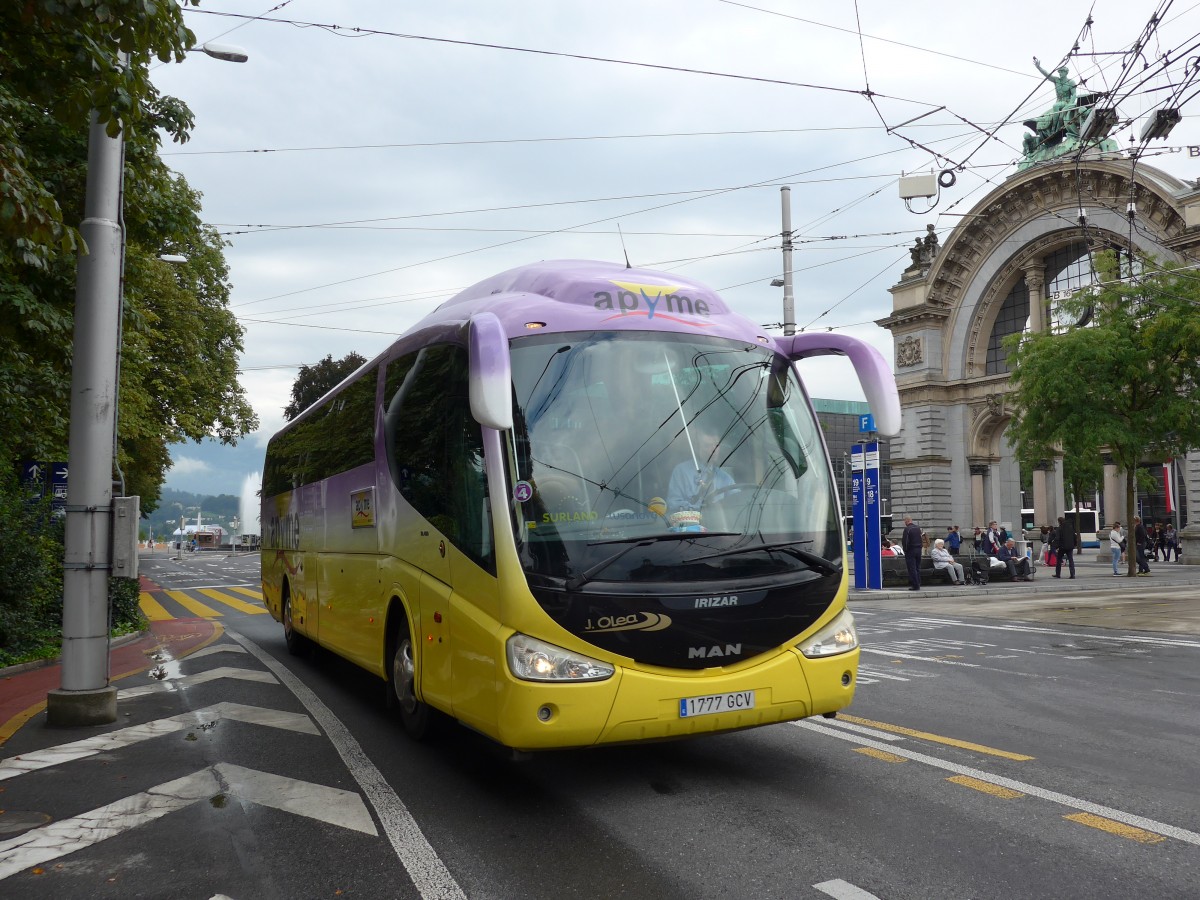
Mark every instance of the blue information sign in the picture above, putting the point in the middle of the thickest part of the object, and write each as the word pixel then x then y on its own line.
pixel 859 527
pixel 871 507
pixel 42 479
pixel 866 423
pixel 58 486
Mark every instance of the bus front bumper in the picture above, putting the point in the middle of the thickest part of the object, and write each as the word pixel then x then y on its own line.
pixel 639 705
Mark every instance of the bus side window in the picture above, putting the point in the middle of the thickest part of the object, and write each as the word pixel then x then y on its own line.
pixel 435 450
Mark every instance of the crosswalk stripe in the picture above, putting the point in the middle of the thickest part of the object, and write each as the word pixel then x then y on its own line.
pixel 239 605
pixel 16 766
pixel 173 684
pixel 194 606
pixel 249 592
pixel 315 801
pixel 152 609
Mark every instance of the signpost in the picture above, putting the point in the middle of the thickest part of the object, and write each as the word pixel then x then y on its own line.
pixel 868 544
pixel 860 518
pixel 871 514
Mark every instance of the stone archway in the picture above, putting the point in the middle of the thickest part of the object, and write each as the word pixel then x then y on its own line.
pixel 945 310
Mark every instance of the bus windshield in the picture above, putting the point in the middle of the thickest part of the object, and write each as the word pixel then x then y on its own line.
pixel 658 457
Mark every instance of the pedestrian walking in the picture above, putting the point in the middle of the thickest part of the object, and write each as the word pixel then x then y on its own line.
pixel 1140 539
pixel 953 540
pixel 1066 546
pixel 910 543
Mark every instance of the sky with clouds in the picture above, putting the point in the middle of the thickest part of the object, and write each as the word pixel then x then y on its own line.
pixel 373 158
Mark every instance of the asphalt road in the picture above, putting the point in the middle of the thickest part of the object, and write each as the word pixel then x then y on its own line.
pixel 985 756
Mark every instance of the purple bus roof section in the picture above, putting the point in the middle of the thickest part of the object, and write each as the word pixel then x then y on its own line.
pixel 598 296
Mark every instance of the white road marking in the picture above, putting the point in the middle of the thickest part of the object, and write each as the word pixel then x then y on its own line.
pixel 1132 638
pixel 862 729
pixel 875 675
pixel 332 805
pixel 123 737
pixel 1108 812
pixel 945 662
pixel 172 684
pixel 426 869
pixel 844 890
pixel 217 648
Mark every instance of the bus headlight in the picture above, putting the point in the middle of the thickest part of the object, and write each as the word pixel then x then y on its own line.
pixel 837 637
pixel 532 660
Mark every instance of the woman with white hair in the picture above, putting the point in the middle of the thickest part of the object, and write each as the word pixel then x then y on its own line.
pixel 943 560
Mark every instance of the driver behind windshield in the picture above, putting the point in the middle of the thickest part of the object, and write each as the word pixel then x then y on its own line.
pixel 695 479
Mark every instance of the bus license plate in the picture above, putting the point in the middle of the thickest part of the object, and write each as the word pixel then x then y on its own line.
pixel 715 703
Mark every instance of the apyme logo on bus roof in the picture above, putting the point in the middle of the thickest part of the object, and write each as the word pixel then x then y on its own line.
pixel 653 301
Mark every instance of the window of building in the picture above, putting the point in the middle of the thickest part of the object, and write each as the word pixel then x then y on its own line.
pixel 1012 319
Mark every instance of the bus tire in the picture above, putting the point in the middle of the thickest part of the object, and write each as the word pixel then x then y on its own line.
pixel 297 643
pixel 416 717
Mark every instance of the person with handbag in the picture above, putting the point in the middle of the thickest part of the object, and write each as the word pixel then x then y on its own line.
pixel 1116 546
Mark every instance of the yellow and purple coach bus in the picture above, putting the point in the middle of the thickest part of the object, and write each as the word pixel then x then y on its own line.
pixel 578 504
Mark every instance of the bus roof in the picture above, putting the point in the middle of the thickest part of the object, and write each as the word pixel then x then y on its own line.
pixel 590 295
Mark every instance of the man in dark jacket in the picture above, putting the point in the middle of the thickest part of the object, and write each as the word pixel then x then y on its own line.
pixel 1018 565
pixel 1066 545
pixel 1140 539
pixel 910 543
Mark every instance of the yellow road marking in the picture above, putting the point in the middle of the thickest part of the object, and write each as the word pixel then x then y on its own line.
pixel 994 789
pixel 936 738
pixel 239 605
pixel 880 754
pixel 1118 828
pixel 257 595
pixel 194 606
pixel 153 610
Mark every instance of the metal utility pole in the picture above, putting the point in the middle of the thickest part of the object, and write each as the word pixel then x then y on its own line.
pixel 86 697
pixel 789 302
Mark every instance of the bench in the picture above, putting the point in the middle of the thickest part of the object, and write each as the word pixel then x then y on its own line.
pixel 895 571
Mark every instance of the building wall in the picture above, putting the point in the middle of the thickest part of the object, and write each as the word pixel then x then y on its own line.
pixel 946 304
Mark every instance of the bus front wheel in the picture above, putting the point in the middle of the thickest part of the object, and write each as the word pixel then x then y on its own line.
pixel 414 715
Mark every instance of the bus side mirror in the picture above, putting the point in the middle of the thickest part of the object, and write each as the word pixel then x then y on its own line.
pixel 490 378
pixel 876 378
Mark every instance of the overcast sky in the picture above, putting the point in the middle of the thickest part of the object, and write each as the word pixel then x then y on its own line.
pixel 366 172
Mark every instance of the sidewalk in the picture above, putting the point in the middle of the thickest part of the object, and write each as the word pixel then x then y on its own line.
pixel 1166 601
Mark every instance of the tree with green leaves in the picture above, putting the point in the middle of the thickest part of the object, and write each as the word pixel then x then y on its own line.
pixel 315 381
pixel 1128 383
pixel 180 342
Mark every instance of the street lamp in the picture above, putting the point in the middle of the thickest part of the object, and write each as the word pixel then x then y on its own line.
pixel 225 52
pixel 86 697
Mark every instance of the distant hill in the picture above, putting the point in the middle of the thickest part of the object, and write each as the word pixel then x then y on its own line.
pixel 211 468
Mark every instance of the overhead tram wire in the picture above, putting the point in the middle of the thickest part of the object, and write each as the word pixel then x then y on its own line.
pixel 706 195
pixel 356 32
pixel 541 140
pixel 359 32
pixel 873 37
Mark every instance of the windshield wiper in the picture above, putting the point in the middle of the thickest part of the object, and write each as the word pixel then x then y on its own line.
pixel 578 581
pixel 820 563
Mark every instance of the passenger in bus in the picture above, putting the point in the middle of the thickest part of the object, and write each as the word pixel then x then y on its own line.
pixel 697 478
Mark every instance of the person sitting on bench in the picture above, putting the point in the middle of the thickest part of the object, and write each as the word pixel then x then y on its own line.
pixel 944 561
pixel 1019 566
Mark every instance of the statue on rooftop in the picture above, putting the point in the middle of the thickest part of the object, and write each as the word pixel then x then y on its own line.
pixel 1056 131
